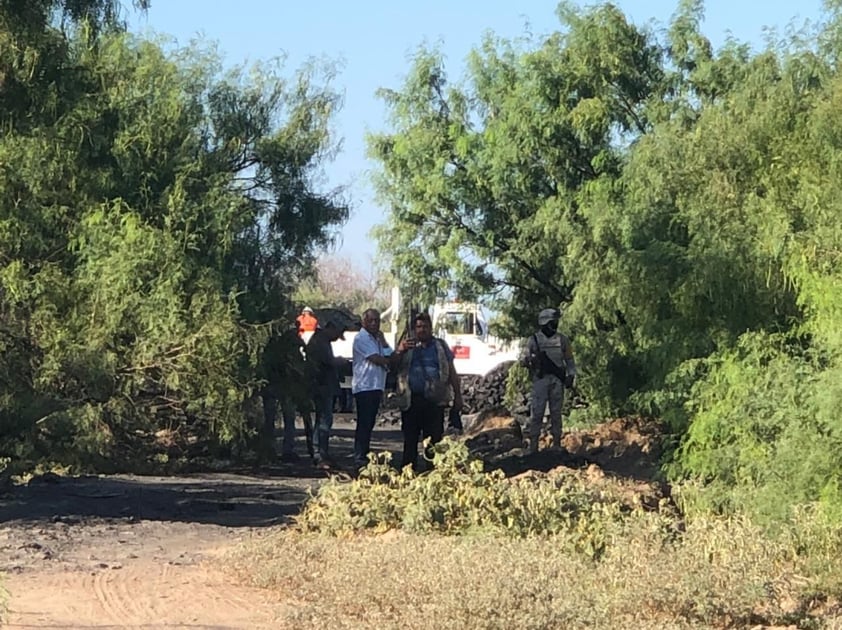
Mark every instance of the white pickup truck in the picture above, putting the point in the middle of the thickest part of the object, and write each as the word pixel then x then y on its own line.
pixel 463 325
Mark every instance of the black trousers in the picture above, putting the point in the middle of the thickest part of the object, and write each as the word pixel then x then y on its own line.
pixel 368 404
pixel 423 419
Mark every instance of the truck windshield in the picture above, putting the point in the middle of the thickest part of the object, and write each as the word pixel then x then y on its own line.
pixel 457 323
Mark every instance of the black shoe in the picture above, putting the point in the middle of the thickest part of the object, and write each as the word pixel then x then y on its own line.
pixel 323 463
pixel 454 422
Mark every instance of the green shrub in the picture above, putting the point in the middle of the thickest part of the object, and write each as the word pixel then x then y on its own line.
pixel 764 432
pixel 456 497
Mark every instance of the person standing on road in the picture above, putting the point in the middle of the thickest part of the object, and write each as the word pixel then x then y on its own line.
pixel 323 368
pixel 283 370
pixel 370 363
pixel 549 357
pixel 426 383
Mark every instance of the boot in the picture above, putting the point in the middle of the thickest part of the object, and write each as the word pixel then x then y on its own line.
pixel 533 446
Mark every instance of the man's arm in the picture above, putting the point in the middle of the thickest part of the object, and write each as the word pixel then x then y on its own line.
pixel 456 384
pixel 570 365
pixel 530 352
pixel 366 347
pixel 568 358
pixel 379 360
pixel 384 355
pixel 455 381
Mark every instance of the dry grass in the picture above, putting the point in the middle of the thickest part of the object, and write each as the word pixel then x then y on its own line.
pixel 719 573
pixel 459 548
pixel 4 599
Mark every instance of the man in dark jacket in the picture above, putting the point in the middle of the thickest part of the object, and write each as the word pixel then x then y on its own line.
pixel 323 370
pixel 284 372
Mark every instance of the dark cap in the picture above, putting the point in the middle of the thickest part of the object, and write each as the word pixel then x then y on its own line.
pixel 334 323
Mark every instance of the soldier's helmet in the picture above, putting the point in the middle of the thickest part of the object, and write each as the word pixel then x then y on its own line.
pixel 548 315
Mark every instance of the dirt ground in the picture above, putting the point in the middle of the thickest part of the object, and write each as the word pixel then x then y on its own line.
pixel 138 552
pixel 126 551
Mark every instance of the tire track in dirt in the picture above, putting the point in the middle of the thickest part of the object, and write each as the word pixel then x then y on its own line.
pixel 138 596
pixel 130 551
pixel 106 597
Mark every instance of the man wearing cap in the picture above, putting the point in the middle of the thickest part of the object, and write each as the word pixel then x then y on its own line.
pixel 549 357
pixel 323 368
pixel 371 362
pixel 307 322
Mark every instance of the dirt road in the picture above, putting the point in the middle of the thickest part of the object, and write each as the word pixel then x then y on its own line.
pixel 134 552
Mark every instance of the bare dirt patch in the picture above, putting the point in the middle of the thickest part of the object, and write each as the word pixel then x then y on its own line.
pixel 134 551
pixel 140 551
pixel 140 593
pixel 627 448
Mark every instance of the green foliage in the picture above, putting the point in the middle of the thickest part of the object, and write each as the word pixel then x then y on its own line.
pixel 518 385
pixel 489 183
pixel 765 434
pixel 456 497
pixel 680 203
pixel 34 15
pixel 605 169
pixel 154 214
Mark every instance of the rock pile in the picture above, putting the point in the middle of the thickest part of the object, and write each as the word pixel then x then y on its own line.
pixel 489 391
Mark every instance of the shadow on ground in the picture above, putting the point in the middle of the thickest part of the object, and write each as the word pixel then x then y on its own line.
pixel 259 496
pixel 252 496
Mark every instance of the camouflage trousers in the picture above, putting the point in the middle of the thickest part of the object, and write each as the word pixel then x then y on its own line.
pixel 546 390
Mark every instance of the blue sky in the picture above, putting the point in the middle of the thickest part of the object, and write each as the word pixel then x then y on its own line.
pixel 373 40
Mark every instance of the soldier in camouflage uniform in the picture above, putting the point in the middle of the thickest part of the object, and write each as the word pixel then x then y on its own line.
pixel 549 358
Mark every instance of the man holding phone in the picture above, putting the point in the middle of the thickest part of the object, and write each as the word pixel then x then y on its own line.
pixel 427 383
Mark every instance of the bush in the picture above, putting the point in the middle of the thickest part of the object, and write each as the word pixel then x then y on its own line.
pixel 764 433
pixel 456 497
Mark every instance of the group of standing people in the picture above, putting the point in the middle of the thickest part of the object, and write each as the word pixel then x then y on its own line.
pixel 427 384
pixel 305 376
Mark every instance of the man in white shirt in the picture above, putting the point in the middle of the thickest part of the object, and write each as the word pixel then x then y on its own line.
pixel 370 364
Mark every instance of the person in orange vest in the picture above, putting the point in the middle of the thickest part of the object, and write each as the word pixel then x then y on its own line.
pixel 307 322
